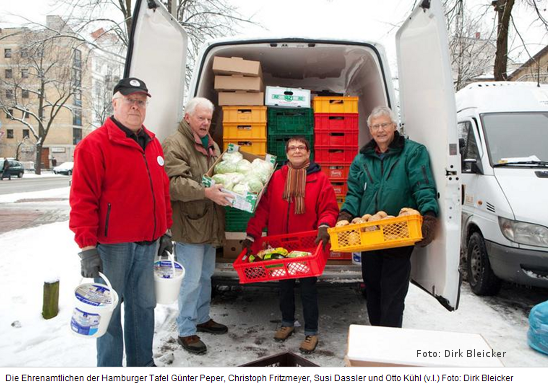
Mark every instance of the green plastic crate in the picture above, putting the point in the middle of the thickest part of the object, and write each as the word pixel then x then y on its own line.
pixel 275 145
pixel 283 121
pixel 236 220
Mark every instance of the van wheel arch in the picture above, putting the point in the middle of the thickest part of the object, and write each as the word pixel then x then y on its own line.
pixel 481 277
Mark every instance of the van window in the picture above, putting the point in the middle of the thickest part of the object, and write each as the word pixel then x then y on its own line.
pixel 516 135
pixel 470 149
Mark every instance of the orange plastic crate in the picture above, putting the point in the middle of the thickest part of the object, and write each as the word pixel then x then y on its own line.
pixel 335 104
pixel 244 131
pixel 387 233
pixel 339 255
pixel 280 269
pixel 244 114
pixel 252 146
pixel 340 200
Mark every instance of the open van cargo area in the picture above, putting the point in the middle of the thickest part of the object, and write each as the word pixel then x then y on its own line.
pixel 345 69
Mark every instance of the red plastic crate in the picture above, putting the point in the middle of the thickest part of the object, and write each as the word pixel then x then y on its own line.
pixel 280 269
pixel 339 255
pixel 336 121
pixel 336 171
pixel 343 155
pixel 336 139
pixel 340 187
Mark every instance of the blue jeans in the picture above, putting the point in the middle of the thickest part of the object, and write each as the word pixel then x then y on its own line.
pixel 198 260
pixel 309 300
pixel 129 268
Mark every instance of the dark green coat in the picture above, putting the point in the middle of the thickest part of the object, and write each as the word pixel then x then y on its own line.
pixel 403 178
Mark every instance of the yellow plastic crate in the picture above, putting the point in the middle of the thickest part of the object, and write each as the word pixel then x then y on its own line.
pixel 387 233
pixel 335 104
pixel 244 114
pixel 256 147
pixel 244 131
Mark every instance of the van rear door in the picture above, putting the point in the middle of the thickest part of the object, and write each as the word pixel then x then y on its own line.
pixel 157 55
pixel 428 115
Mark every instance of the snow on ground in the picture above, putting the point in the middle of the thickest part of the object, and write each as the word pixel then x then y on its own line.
pixel 48 252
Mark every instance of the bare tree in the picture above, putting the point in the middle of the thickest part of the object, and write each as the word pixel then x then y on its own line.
pixel 503 27
pixel 471 47
pixel 202 20
pixel 45 73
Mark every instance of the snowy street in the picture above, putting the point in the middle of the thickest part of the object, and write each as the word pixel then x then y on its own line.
pixel 32 255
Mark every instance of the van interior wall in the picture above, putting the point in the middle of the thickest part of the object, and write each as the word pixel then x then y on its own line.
pixel 335 69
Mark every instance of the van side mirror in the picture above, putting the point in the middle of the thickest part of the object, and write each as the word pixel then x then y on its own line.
pixel 472 165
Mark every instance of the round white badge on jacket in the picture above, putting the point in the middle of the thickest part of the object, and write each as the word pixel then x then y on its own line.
pixel 160 160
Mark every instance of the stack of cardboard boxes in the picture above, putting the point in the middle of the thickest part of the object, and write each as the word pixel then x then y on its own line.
pixel 240 90
pixel 241 94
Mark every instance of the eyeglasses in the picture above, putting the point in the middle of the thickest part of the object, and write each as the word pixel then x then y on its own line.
pixel 131 102
pixel 295 148
pixel 382 125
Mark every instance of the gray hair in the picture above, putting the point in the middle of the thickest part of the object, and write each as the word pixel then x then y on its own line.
pixel 117 95
pixel 195 102
pixel 381 111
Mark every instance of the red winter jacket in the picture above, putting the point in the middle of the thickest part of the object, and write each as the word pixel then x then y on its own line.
pixel 119 192
pixel 279 215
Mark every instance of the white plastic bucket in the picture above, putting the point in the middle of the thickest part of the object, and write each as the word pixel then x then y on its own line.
pixel 94 304
pixel 168 276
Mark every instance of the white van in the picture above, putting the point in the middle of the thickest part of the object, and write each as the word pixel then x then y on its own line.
pixel 351 67
pixel 503 130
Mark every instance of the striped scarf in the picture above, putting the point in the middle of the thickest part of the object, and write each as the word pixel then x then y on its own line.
pixel 295 186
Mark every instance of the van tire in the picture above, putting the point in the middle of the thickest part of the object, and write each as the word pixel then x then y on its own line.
pixel 481 277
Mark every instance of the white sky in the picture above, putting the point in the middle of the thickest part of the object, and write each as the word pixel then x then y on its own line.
pixel 365 20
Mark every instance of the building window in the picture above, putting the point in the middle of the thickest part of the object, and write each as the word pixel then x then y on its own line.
pixel 78 97
pixel 9 94
pixel 25 93
pixel 25 133
pixel 9 133
pixel 24 53
pixel 25 73
pixel 27 115
pixel 77 117
pixel 76 135
pixel 76 77
pixel 9 114
pixel 7 53
pixel 77 60
pixel 9 73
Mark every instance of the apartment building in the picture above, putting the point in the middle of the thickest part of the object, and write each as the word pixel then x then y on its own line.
pixel 53 84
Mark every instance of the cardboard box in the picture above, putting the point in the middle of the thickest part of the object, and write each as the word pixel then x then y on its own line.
pixel 249 201
pixel 287 97
pixel 233 244
pixel 235 65
pixel 376 346
pixel 241 98
pixel 238 82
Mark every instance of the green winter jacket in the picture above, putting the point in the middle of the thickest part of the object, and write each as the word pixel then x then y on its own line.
pixel 403 178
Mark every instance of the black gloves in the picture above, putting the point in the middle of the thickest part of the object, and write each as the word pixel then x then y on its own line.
pixel 91 263
pixel 165 245
pixel 428 230
pixel 246 245
pixel 345 216
pixel 323 236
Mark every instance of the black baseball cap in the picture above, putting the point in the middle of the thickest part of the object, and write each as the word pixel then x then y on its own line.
pixel 131 85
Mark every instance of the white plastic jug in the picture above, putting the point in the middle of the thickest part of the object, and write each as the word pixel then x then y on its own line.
pixel 168 276
pixel 94 304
